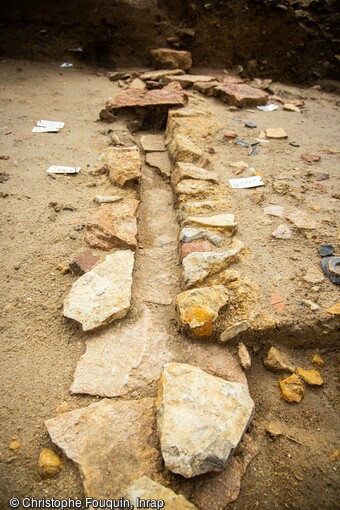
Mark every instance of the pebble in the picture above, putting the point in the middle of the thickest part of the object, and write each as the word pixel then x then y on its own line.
pixel 334 310
pixel 250 124
pixel 100 199
pixel 244 356
pixel 313 306
pixel 276 133
pixel 282 232
pixel 292 389
pixel 49 463
pixel 311 377
pixel 291 108
pixel 15 445
pixel 310 158
pixel 326 250
pixel 277 361
pixel 234 330
pixel 318 361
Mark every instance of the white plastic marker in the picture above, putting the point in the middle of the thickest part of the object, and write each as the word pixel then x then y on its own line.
pixel 66 64
pixel 47 126
pixel 267 107
pixel 55 169
pixel 247 182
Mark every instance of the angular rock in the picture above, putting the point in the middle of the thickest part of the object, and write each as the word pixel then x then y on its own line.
pixel 188 80
pixel 276 133
pixel 206 88
pixel 49 463
pixel 123 164
pixel 131 99
pixel 274 210
pixel 193 247
pixel 153 493
pixel 310 158
pixel 282 232
pixel 234 330
pixel 292 388
pixel 314 275
pixel 244 356
pixel 311 377
pixel 318 361
pixel 213 416
pixel 153 143
pixel 84 262
pixel 122 360
pixel 199 308
pixel 103 294
pixel 137 83
pixel 334 309
pixel 190 171
pixel 182 149
pixel 277 361
pixel 188 235
pixel 192 207
pixel 302 220
pixel 112 442
pixel 240 95
pixel 161 162
pixel 160 74
pixel 291 108
pixel 224 221
pixel 198 266
pixel 171 59
pixel 113 225
pixel 193 187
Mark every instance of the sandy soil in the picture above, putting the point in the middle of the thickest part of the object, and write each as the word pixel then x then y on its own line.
pixel 43 226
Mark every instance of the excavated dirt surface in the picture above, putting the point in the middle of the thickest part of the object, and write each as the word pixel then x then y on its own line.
pixel 43 222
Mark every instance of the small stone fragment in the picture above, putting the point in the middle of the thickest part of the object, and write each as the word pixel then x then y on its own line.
pixel 171 59
pixel 108 199
pixel 302 220
pixel 153 143
pixel 334 310
pixel 197 266
pixel 15 445
pixel 230 135
pixel 322 176
pixel 103 294
pixel 49 463
pixel 326 250
pixel 160 74
pixel 63 268
pixel 318 361
pixel 188 235
pixel 250 124
pixel 282 186
pixel 313 306
pixel 274 430
pixel 84 262
pixel 153 493
pixel 335 456
pixel 187 248
pixel 310 158
pixel 276 133
pixel 123 164
pixel 199 308
pixel 240 95
pixel 244 356
pixel 282 232
pixel 224 221
pixel 292 388
pixel 213 415
pixel 314 275
pixel 291 108
pixel 277 361
pixel 190 171
pixel 311 377
pixel 113 225
pixel 274 210
pixel 234 330
pixel 239 164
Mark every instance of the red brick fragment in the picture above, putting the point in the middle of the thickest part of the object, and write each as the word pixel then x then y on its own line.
pixel 84 262
pixel 188 248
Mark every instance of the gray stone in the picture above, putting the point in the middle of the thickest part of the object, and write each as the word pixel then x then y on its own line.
pixel 122 359
pixel 234 330
pixel 112 442
pixel 199 265
pixel 195 234
pixel 103 294
pixel 213 415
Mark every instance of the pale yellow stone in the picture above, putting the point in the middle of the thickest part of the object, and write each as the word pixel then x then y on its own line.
pixel 49 463
pixel 292 388
pixel 123 164
pixel 318 360
pixel 276 133
pixel 277 361
pixel 15 445
pixel 190 171
pixel 234 330
pixel 311 377
pixel 334 310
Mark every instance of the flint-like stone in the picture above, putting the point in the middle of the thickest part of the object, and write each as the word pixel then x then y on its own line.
pixel 234 330
pixel 113 225
pixel 224 221
pixel 122 360
pixel 173 59
pixel 123 164
pixel 112 442
pixel 153 492
pixel 199 308
pixel 240 95
pixel 188 235
pixel 103 294
pixel 198 266
pixel 190 171
pixel 200 419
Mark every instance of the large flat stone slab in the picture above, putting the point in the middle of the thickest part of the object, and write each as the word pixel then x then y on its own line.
pixel 213 415
pixel 188 80
pixel 240 95
pixel 173 59
pixel 112 442
pixel 123 164
pixel 153 492
pixel 190 171
pixel 113 225
pixel 199 265
pixel 103 294
pixel 160 74
pixel 123 359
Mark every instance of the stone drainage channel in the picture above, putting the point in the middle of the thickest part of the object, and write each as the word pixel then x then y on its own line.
pixel 198 420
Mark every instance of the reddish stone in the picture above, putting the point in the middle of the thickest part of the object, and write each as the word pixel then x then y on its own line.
pixel 159 75
pixel 188 248
pixel 230 135
pixel 84 262
pixel 171 59
pixel 278 301
pixel 188 80
pixel 132 98
pixel 206 88
pixel 230 80
pixel 310 158
pixel 240 95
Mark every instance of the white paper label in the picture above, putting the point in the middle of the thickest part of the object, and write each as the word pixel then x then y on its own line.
pixel 268 107
pixel 247 182
pixel 54 169
pixel 44 129
pixel 50 124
